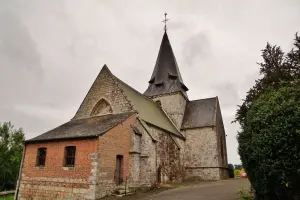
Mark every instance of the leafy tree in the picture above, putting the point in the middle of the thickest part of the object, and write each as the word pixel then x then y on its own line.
pixel 239 167
pixel 231 170
pixel 11 147
pixel 276 67
pixel 269 119
pixel 269 145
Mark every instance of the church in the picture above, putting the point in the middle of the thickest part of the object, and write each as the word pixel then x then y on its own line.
pixel 121 136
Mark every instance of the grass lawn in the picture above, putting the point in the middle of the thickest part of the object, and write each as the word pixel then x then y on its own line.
pixel 11 197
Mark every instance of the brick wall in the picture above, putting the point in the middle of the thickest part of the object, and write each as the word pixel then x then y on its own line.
pixel 95 163
pixel 103 87
pixel 54 180
pixel 115 142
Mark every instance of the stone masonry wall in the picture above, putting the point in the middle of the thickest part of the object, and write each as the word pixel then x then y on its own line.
pixel 201 153
pixel 103 87
pixel 174 106
pixel 221 139
pixel 116 141
pixel 168 165
pixel 54 181
pixel 146 158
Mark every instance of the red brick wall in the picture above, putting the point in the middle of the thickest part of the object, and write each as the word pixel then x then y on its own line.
pixel 54 181
pixel 115 142
pixel 94 171
pixel 55 159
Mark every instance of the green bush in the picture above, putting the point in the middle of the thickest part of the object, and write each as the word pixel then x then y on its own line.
pixel 245 195
pixel 230 170
pixel 269 140
pixel 269 145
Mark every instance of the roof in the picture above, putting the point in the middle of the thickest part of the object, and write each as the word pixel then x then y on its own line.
pixel 148 110
pixel 200 113
pixel 166 77
pixel 83 128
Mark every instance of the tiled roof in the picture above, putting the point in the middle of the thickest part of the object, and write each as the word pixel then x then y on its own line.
pixel 147 109
pixel 83 128
pixel 200 113
pixel 166 77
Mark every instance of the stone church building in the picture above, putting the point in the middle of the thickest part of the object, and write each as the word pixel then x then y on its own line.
pixel 121 135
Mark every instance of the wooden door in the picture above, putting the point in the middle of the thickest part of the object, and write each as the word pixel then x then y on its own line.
pixel 119 168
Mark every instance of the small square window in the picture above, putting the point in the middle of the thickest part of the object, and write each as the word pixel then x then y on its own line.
pixel 70 156
pixel 41 157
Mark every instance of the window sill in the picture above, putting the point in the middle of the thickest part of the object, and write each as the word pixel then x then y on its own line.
pixel 40 167
pixel 68 168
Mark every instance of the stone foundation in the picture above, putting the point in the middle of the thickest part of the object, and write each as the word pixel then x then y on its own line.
pixel 208 174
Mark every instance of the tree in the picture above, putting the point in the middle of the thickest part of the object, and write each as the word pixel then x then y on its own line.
pixel 269 145
pixel 239 167
pixel 276 67
pixel 269 123
pixel 231 170
pixel 11 147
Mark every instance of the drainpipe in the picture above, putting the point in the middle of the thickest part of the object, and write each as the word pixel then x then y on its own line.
pixel 20 174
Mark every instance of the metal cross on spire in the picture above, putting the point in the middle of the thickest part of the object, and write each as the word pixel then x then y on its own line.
pixel 165 21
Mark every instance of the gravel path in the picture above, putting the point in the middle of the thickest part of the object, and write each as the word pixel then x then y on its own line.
pixel 217 190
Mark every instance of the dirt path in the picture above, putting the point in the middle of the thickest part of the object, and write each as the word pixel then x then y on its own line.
pixel 217 190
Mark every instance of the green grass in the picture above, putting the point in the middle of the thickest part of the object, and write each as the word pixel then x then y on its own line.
pixel 11 197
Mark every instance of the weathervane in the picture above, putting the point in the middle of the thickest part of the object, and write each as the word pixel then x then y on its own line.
pixel 165 21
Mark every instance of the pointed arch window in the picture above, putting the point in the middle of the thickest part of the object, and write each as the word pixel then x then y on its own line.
pixel 101 108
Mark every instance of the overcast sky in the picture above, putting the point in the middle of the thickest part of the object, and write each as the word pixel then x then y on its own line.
pixel 51 51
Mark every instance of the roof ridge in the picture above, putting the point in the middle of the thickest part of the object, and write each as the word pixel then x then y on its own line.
pixel 216 97
pixel 113 77
pixel 94 116
pixel 116 119
pixel 136 91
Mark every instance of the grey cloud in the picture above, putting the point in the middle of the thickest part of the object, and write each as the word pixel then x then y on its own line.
pixel 17 48
pixel 227 93
pixel 53 50
pixel 20 65
pixel 197 47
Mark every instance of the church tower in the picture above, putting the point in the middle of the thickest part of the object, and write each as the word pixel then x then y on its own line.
pixel 166 86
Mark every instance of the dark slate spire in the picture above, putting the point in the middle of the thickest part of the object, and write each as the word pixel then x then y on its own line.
pixel 166 77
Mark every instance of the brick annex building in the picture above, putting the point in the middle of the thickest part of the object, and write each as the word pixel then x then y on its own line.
pixel 119 134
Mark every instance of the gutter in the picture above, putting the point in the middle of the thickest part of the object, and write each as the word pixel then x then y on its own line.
pixel 20 174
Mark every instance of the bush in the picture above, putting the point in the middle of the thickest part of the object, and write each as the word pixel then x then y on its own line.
pixel 231 170
pixel 245 195
pixel 269 145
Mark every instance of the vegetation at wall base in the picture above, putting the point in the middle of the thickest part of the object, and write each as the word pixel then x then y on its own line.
pixel 11 197
pixel 269 140
pixel 246 195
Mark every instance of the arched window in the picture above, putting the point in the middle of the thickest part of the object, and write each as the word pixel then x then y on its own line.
pixel 102 107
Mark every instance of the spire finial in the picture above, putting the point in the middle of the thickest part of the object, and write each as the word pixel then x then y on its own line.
pixel 165 21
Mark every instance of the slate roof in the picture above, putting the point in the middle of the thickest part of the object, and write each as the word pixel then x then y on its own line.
pixel 200 113
pixel 83 128
pixel 147 109
pixel 166 77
